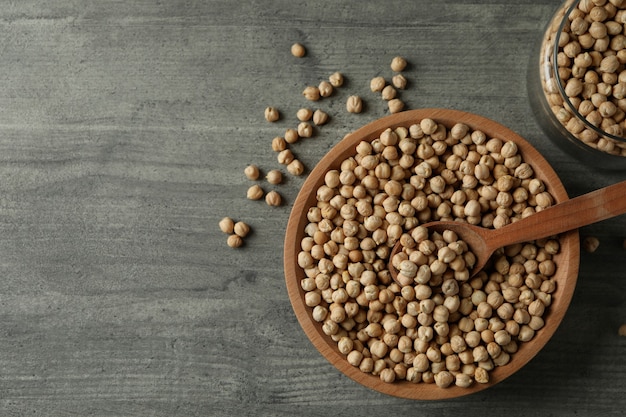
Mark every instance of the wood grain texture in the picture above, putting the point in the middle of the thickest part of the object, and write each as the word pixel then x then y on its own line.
pixel 125 127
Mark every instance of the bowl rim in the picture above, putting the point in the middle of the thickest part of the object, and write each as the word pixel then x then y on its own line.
pixel 567 268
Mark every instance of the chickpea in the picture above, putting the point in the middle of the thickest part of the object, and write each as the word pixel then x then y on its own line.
pixel 272 114
pixel 274 177
pixel 311 93
pixel 255 192
pixel 320 117
pixel 273 198
pixel 398 64
pixel 279 144
pixel 354 104
pixel 336 79
pixel 298 50
pixel 227 225
pixel 590 244
pixel 241 229
pixel 234 241
pixel 399 81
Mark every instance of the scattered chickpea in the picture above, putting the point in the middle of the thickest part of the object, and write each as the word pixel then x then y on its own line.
pixel 291 136
pixel 377 84
pixel 325 88
pixel 272 114
pixel 279 144
pixel 305 130
pixel 398 64
pixel 336 79
pixel 591 244
pixel 311 93
pixel 273 198
pixel 285 157
pixel 295 167
pixel 298 50
pixel 255 192
pixel 252 172
pixel 304 114
pixel 241 229
pixel 399 81
pixel 389 92
pixel 354 104
pixel 320 117
pixel 227 225
pixel 274 177
pixel 234 241
pixel 395 105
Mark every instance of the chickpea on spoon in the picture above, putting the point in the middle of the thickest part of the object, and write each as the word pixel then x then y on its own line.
pixel 583 210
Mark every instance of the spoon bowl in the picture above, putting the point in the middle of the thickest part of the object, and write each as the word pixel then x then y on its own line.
pixel 586 209
pixel 475 237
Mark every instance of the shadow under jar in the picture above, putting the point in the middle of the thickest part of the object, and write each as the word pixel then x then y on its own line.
pixel 577 81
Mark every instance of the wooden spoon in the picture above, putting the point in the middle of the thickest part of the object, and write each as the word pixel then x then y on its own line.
pixel 569 215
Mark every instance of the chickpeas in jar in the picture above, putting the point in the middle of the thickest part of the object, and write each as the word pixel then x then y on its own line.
pixel 578 86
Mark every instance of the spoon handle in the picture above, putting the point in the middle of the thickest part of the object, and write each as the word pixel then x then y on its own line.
pixel 569 215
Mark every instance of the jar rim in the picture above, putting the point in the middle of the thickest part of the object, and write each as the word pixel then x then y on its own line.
pixel 561 87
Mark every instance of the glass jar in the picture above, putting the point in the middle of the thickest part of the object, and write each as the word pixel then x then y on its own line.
pixel 577 81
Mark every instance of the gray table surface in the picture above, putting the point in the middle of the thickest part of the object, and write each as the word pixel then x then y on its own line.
pixel 125 127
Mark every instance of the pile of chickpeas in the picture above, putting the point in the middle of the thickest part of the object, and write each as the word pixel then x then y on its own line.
pixel 440 325
pixel 591 63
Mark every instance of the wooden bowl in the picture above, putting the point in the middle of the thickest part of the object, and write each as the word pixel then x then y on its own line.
pixel 567 260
